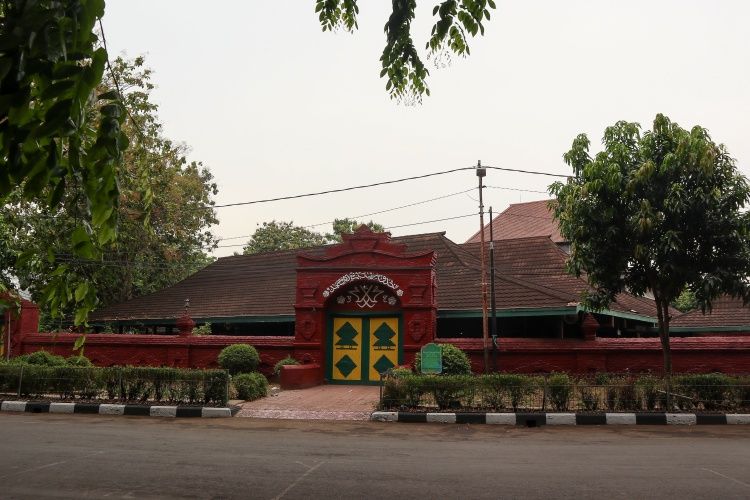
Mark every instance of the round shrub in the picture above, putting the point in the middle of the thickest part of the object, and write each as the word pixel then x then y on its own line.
pixel 239 358
pixel 40 358
pixel 79 361
pixel 286 361
pixel 455 361
pixel 250 386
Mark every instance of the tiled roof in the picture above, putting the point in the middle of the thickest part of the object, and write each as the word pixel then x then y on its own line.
pixel 539 261
pixel 726 312
pixel 522 220
pixel 530 274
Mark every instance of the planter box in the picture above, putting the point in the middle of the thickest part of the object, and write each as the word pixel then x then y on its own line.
pixel 301 376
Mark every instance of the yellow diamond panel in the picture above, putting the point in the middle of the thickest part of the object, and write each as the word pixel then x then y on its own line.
pixel 347 349
pixel 383 345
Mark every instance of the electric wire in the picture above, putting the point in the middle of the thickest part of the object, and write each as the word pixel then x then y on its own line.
pixel 383 183
pixel 355 217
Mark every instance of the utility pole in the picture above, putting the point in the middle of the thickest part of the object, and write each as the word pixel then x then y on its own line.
pixel 493 324
pixel 481 172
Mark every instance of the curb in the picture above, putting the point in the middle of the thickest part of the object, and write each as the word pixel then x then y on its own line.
pixel 539 419
pixel 118 409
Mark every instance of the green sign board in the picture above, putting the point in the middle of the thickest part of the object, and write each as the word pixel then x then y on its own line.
pixel 432 359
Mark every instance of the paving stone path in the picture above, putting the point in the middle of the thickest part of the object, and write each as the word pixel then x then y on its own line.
pixel 324 402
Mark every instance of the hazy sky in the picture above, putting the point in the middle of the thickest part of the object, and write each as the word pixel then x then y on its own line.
pixel 273 106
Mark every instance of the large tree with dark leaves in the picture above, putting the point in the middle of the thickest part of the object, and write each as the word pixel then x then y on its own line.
pixel 660 211
pixel 51 63
pixel 163 215
pixel 401 63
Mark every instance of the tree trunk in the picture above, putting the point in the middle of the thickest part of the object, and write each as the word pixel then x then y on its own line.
pixel 662 308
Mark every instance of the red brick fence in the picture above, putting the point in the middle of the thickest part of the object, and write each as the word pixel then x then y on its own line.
pixel 695 354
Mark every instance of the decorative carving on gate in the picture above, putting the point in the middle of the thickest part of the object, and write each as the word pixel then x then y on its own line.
pixel 417 327
pixel 307 326
pixel 363 276
pixel 366 296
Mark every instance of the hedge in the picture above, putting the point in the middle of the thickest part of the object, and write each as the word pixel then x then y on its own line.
pixel 122 384
pixel 403 389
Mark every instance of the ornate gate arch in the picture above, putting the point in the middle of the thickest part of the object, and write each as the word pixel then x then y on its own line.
pixel 363 306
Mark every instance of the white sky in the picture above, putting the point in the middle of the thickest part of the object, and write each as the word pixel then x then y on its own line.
pixel 273 106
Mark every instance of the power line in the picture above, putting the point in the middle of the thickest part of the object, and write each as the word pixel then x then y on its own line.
pixel 398 208
pixel 383 183
pixel 340 190
pixel 434 220
pixel 517 189
pixel 534 172
pixel 368 214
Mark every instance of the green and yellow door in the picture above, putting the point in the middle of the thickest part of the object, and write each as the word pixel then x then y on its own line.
pixel 360 348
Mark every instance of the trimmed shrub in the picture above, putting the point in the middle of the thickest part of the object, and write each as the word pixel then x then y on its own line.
pixel 239 358
pixel 404 388
pixel 250 386
pixel 284 362
pixel 516 388
pixel 452 391
pixel 455 361
pixel 39 358
pixel 711 390
pixel 142 384
pixel 651 392
pixel 589 398
pixel 78 361
pixel 560 389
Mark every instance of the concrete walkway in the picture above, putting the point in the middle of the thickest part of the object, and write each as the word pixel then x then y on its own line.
pixel 324 402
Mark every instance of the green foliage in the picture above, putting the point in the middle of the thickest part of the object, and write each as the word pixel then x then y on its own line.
pixel 124 384
pixel 341 226
pixel 39 358
pixel 401 63
pixel 78 360
pixel 161 239
pixel 560 390
pixel 711 391
pixel 284 362
pixel 517 387
pixel 652 392
pixel 402 388
pixel 452 391
pixel 204 329
pixel 455 361
pixel 661 211
pixel 504 391
pixel 273 236
pixel 250 386
pixel 279 235
pixel 589 398
pixel 686 301
pixel 60 134
pixel 239 358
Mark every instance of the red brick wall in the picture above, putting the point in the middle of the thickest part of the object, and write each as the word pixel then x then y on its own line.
pixel 157 350
pixel 689 355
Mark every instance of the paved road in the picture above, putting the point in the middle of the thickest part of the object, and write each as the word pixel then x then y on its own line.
pixel 79 456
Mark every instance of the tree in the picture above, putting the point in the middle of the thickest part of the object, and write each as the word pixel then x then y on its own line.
pixel 400 61
pixel 341 226
pixel 659 211
pixel 273 236
pixel 162 239
pixel 50 66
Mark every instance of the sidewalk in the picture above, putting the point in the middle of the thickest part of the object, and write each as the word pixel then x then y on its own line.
pixel 324 402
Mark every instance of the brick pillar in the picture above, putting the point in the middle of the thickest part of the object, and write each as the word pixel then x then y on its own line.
pixel 589 327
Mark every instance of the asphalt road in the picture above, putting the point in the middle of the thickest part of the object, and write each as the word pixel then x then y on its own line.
pixel 80 456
